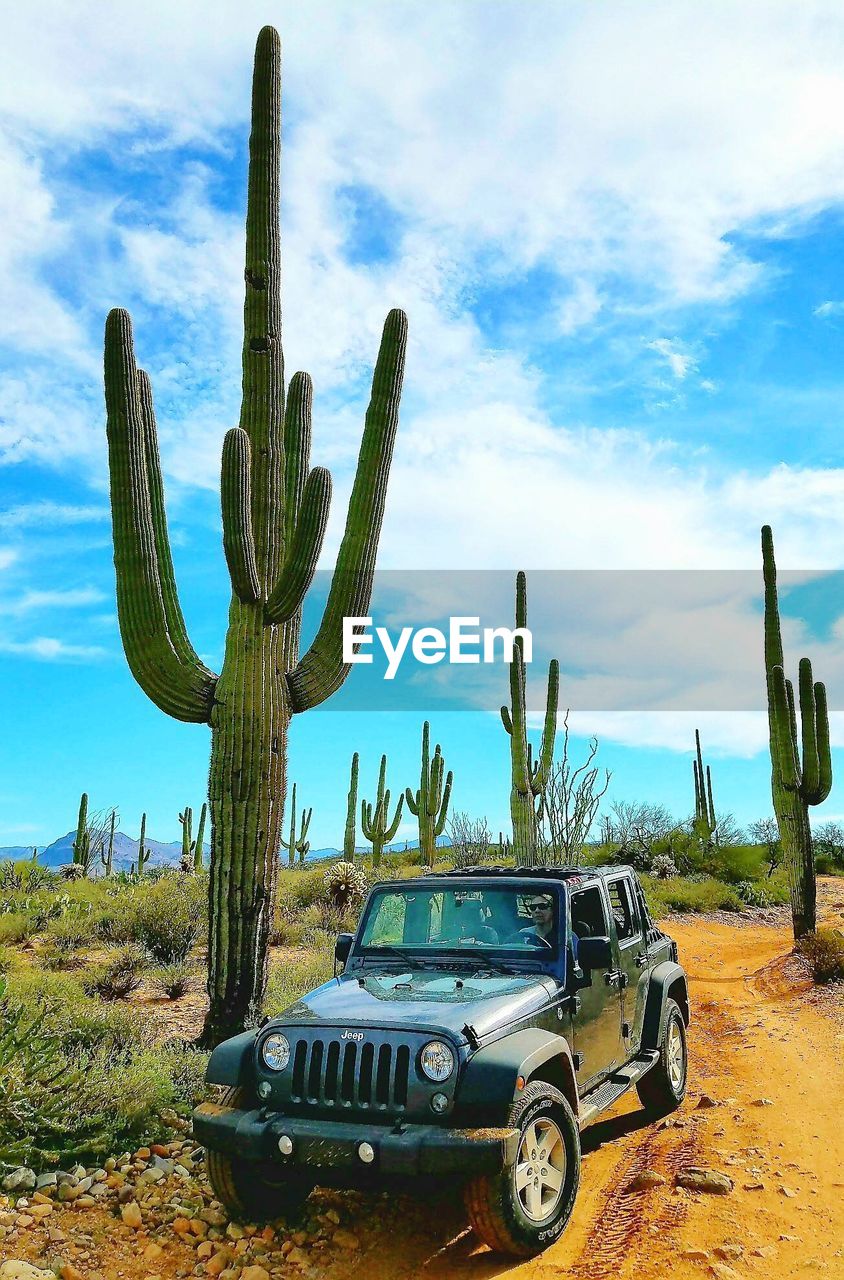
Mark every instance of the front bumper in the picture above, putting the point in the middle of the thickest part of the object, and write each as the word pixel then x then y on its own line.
pixel 409 1149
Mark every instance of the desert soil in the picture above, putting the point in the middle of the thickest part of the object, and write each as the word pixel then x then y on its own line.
pixel 766 1047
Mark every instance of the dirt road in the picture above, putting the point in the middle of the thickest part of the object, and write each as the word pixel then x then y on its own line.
pixel 766 1047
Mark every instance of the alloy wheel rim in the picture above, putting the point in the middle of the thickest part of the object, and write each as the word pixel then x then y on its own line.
pixel 675 1056
pixel 540 1169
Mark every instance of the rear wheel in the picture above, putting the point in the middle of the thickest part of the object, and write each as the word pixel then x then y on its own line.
pixel 524 1208
pixel 664 1087
pixel 254 1191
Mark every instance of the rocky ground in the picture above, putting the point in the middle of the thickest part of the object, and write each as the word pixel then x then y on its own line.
pixel 745 1180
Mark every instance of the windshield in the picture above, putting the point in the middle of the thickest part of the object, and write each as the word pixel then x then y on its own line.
pixel 417 921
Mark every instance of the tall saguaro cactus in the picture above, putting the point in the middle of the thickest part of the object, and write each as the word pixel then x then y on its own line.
pixel 528 780
pixel 199 842
pixel 107 858
pixel 186 819
pixel 275 509
pixel 430 804
pixel 374 819
pixel 298 844
pixel 351 811
pixel 794 784
pixel 82 853
pixel 704 823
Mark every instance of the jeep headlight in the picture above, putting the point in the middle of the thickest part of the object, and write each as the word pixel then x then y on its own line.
pixel 437 1061
pixel 276 1051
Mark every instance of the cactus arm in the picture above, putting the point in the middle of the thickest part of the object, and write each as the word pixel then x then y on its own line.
pixel 697 789
pixel 321 671
pixel 297 448
pixel 521 599
pixel 199 850
pixel 412 804
pixel 300 567
pixel 792 720
pixel 156 648
pixel 506 719
pixel 710 802
pixel 306 822
pixel 435 782
pixel 366 823
pixel 824 755
pixel 440 824
pixel 809 727
pixel 236 501
pixel 391 830
pixel 785 739
pixel 546 750
pixel 521 768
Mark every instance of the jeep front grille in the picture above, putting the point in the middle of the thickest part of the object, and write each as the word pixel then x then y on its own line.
pixel 343 1073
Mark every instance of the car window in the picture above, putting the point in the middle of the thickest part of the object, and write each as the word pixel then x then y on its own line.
pixel 462 917
pixel 623 909
pixel 588 914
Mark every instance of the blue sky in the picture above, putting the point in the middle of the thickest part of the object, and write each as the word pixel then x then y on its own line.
pixel 617 232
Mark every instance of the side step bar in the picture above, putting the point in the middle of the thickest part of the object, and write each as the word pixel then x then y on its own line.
pixel 618 1083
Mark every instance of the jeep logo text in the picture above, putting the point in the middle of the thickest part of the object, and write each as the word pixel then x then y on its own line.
pixel 352 1035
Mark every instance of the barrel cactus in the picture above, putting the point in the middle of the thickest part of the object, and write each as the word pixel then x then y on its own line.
pixel 795 785
pixel 274 508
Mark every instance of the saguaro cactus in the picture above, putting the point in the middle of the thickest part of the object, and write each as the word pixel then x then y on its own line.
pixel 528 780
pixel 274 510
pixel 794 785
pixel 375 822
pixel 199 842
pixel 82 844
pixel 430 804
pixel 186 819
pixel 704 823
pixel 143 852
pixel 351 812
pixel 107 858
pixel 297 844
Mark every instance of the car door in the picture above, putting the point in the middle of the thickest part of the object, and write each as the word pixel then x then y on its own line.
pixel 597 1000
pixel 633 966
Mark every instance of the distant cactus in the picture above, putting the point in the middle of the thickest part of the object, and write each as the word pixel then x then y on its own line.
pixel 275 509
pixel 430 803
pixel 199 842
pixel 505 848
pixel 82 853
pixel 351 812
pixel 794 786
pixel 191 860
pixel 529 780
pixel 375 821
pixel 297 844
pixel 34 857
pixel 345 885
pixel 705 824
pixel 107 858
pixel 143 852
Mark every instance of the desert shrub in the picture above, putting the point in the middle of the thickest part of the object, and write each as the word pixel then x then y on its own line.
pixel 300 887
pixel 69 932
pixel 688 895
pixel 25 876
pixel 9 959
pixel 824 951
pixel 295 977
pixel 172 980
pixel 14 927
pixel 168 918
pixel 753 894
pixel 119 975
pixel 83 1024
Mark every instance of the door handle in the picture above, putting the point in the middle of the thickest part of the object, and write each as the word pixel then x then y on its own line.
pixel 642 960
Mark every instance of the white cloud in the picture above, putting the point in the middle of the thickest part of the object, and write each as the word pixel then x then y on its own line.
pixel 48 515
pixel 32 601
pixel 49 649
pixel 827 309
pixel 679 362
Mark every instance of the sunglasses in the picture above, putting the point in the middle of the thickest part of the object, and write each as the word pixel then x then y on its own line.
pixel 539 906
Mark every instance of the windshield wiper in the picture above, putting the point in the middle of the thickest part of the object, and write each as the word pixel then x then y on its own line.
pixel 500 966
pixel 376 953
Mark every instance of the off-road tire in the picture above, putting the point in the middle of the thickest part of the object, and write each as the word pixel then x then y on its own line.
pixel 492 1202
pixel 659 1090
pixel 254 1191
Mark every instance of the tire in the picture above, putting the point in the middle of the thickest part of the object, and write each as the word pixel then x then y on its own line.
pixel 524 1220
pixel 251 1190
pixel 664 1087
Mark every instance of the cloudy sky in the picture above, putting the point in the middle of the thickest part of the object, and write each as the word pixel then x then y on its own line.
pixel 616 230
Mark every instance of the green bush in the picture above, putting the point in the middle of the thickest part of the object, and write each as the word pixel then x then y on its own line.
pixel 15 926
pixel 295 977
pixel 824 951
pixel 84 1024
pixel 169 916
pixel 69 932
pixel 172 980
pixel 119 975
pixel 688 895
pixel 9 959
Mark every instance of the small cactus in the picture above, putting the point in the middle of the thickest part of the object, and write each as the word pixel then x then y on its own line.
pixel 430 803
pixel 297 844
pixel 345 885
pixel 375 822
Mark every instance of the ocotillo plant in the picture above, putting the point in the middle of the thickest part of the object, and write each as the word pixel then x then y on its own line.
pixel 143 852
pixel 351 812
pixel 297 844
pixel 106 858
pixel 82 844
pixel 794 785
pixel 430 804
pixel 705 824
pixel 528 780
pixel 375 822
pixel 274 510
pixel 199 842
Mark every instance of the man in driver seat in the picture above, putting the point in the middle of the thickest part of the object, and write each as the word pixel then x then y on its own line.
pixel 543 931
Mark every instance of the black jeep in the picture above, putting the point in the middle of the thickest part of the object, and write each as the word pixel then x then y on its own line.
pixel 481 1020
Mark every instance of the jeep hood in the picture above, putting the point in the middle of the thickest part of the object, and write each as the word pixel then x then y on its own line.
pixel 423 999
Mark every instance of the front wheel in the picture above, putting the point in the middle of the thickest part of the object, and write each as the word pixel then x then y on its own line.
pixel 254 1191
pixel 524 1208
pixel 663 1088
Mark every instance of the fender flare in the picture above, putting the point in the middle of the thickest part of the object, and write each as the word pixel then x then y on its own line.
pixel 668 982
pixel 488 1087
pixel 232 1061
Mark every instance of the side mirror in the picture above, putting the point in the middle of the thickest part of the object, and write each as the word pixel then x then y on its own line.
pixel 343 946
pixel 594 953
